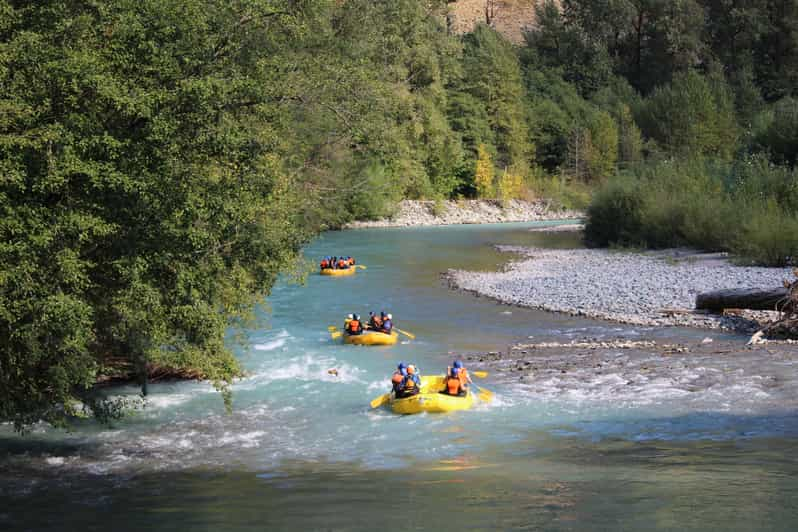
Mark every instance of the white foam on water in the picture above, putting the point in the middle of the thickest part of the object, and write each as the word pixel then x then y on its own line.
pixel 270 346
pixel 161 401
pixel 245 440
pixel 382 384
pixel 54 460
pixel 306 368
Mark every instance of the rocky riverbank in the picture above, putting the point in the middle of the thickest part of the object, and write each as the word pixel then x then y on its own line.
pixel 420 213
pixel 712 375
pixel 636 288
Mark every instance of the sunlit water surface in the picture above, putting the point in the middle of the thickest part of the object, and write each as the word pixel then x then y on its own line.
pixel 703 444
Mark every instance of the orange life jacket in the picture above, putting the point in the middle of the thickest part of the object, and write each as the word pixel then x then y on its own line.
pixel 325 263
pixel 452 385
pixel 354 326
pixel 397 378
pixel 455 384
pixel 341 264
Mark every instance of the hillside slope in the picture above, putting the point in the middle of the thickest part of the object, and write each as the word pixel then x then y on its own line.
pixel 510 17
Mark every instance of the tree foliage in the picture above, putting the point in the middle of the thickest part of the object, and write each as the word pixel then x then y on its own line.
pixel 483 174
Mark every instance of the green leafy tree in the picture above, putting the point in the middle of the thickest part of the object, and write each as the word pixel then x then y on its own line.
pixel 693 115
pixel 602 150
pixel 144 206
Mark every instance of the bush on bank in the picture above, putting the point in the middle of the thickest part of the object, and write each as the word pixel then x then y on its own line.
pixel 748 208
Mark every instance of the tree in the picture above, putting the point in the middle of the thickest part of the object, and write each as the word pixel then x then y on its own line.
pixel 510 185
pixel 146 204
pixel 492 77
pixel 781 137
pixel 693 115
pixel 601 153
pixel 483 174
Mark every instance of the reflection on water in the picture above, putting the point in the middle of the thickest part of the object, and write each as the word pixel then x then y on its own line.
pixel 617 440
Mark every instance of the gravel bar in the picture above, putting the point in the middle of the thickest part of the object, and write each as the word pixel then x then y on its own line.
pixel 423 213
pixel 626 287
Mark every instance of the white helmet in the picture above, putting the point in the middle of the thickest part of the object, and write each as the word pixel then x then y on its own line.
pixel 389 317
pixel 349 317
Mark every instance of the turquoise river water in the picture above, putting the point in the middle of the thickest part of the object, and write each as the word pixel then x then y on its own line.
pixel 702 445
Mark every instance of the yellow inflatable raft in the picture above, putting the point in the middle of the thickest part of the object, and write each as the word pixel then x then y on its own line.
pixel 430 399
pixel 372 338
pixel 346 271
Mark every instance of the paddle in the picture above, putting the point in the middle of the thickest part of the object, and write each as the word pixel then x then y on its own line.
pixel 332 328
pixel 381 400
pixel 484 394
pixel 480 374
pixel 360 266
pixel 409 335
pixel 336 334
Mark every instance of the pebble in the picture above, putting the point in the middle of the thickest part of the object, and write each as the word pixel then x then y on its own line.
pixel 421 213
pixel 627 287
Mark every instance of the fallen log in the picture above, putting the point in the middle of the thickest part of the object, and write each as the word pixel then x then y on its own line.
pixel 748 298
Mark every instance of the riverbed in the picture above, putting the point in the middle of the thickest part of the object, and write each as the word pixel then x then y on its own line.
pixel 570 446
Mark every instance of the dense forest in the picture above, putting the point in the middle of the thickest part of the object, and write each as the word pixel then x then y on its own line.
pixel 163 162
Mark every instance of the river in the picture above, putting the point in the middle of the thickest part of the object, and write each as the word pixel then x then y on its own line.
pixel 705 444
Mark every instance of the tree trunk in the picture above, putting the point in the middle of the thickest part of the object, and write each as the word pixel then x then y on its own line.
pixel 748 298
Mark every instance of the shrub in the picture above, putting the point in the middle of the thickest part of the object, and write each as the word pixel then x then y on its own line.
pixel 747 209
pixel 614 215
pixel 768 235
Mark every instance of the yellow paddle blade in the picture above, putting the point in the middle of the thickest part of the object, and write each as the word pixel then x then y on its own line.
pixel 409 335
pixel 360 266
pixel 331 328
pixel 480 374
pixel 381 400
pixel 336 334
pixel 484 395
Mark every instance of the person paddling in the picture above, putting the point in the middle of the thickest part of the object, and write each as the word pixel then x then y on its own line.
pixel 457 379
pixel 387 323
pixel 375 323
pixel 398 377
pixel 354 326
pixel 411 384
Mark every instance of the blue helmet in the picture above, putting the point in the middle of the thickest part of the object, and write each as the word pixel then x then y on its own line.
pixel 402 365
pixel 457 364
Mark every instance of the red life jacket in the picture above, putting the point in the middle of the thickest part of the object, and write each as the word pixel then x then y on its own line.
pixel 341 264
pixel 324 264
pixel 354 326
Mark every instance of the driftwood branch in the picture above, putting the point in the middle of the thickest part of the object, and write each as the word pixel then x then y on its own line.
pixel 748 298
